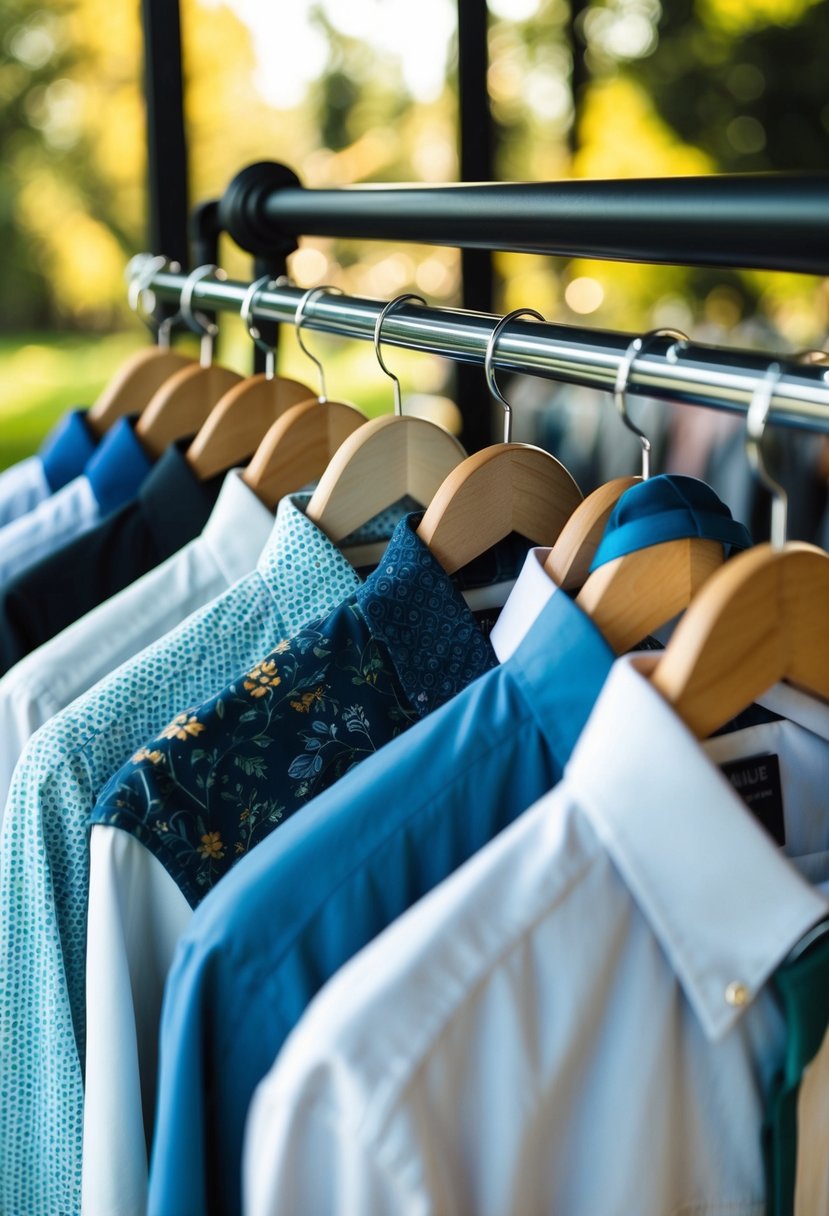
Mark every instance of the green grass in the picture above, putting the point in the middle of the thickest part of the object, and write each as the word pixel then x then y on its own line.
pixel 43 375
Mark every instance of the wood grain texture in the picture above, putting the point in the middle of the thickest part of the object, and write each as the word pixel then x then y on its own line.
pixel 299 446
pixel 631 596
pixel 761 619
pixel 568 563
pixel 182 404
pixel 386 459
pixel 134 384
pixel 239 420
pixel 507 487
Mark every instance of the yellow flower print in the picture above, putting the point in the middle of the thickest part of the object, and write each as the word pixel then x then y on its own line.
pixel 240 848
pixel 282 646
pixel 211 846
pixel 244 815
pixel 144 753
pixel 303 705
pixel 262 679
pixel 181 727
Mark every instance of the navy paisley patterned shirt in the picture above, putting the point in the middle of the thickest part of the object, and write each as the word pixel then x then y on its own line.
pixel 223 775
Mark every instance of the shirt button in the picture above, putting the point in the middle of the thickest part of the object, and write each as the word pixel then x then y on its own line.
pixel 736 993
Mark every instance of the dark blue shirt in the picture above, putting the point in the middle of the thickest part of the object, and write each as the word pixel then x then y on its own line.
pixel 224 774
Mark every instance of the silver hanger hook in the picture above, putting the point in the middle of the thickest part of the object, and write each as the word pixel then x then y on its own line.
pixel 246 313
pixel 378 331
pixel 141 271
pixel 620 387
pixel 299 320
pixel 756 419
pixel 489 370
pixel 198 322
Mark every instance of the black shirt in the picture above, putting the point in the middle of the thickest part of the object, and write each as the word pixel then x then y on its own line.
pixel 171 509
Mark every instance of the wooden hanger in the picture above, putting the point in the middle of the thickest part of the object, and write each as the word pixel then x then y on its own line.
pixel 569 560
pixel 507 487
pixel 183 403
pixel 299 447
pixel 632 595
pixel 241 418
pixel 761 619
pixel 386 459
pixel 142 374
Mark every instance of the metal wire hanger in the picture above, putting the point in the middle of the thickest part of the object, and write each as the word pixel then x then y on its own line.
pixel 239 421
pixel 760 619
pixel 506 487
pixel 298 446
pixel 387 459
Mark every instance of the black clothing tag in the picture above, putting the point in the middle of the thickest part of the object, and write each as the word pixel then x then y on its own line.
pixel 757 780
pixel 486 618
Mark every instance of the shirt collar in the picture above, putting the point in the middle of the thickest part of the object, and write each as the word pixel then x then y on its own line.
pixel 118 467
pixel 66 450
pixel 238 528
pixel 412 605
pixel 175 504
pixel 302 569
pixel 725 904
pixel 526 600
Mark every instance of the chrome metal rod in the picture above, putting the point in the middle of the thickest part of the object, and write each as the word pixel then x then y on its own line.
pixel 716 377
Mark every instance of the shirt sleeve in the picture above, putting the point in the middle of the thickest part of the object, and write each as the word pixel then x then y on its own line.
pixel 285 1144
pixel 136 916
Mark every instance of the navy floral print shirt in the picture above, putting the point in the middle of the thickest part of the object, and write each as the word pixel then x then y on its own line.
pixel 223 775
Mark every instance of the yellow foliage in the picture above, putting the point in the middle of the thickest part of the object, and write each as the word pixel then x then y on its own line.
pixel 740 16
pixel 622 136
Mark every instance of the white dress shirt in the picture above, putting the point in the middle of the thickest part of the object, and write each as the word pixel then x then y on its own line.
pixel 51 677
pixel 127 965
pixel 22 487
pixel 579 1020
pixel 47 527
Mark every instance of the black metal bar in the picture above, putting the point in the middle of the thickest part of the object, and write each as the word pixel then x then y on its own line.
pixel 763 221
pixel 167 186
pixel 475 133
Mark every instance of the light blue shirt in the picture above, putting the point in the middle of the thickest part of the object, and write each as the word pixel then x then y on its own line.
pixel 112 477
pixel 44 847
pixel 315 892
pixel 62 457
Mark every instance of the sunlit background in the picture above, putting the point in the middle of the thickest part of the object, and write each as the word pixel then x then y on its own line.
pixel 365 90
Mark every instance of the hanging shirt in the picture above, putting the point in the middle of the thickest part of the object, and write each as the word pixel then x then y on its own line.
pixel 221 776
pixel 62 457
pixel 356 858
pixel 578 1020
pixel 44 850
pixel 111 477
pixel 129 889
pixel 53 675
pixel 507 737
pixel 170 509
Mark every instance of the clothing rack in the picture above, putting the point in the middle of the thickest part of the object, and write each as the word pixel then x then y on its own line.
pixel 696 374
pixel 757 221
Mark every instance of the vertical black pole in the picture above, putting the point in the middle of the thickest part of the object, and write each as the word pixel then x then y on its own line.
pixel 476 165
pixel 580 76
pixel 166 144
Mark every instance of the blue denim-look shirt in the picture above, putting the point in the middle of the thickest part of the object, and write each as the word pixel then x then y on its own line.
pixel 313 894
pixel 220 777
